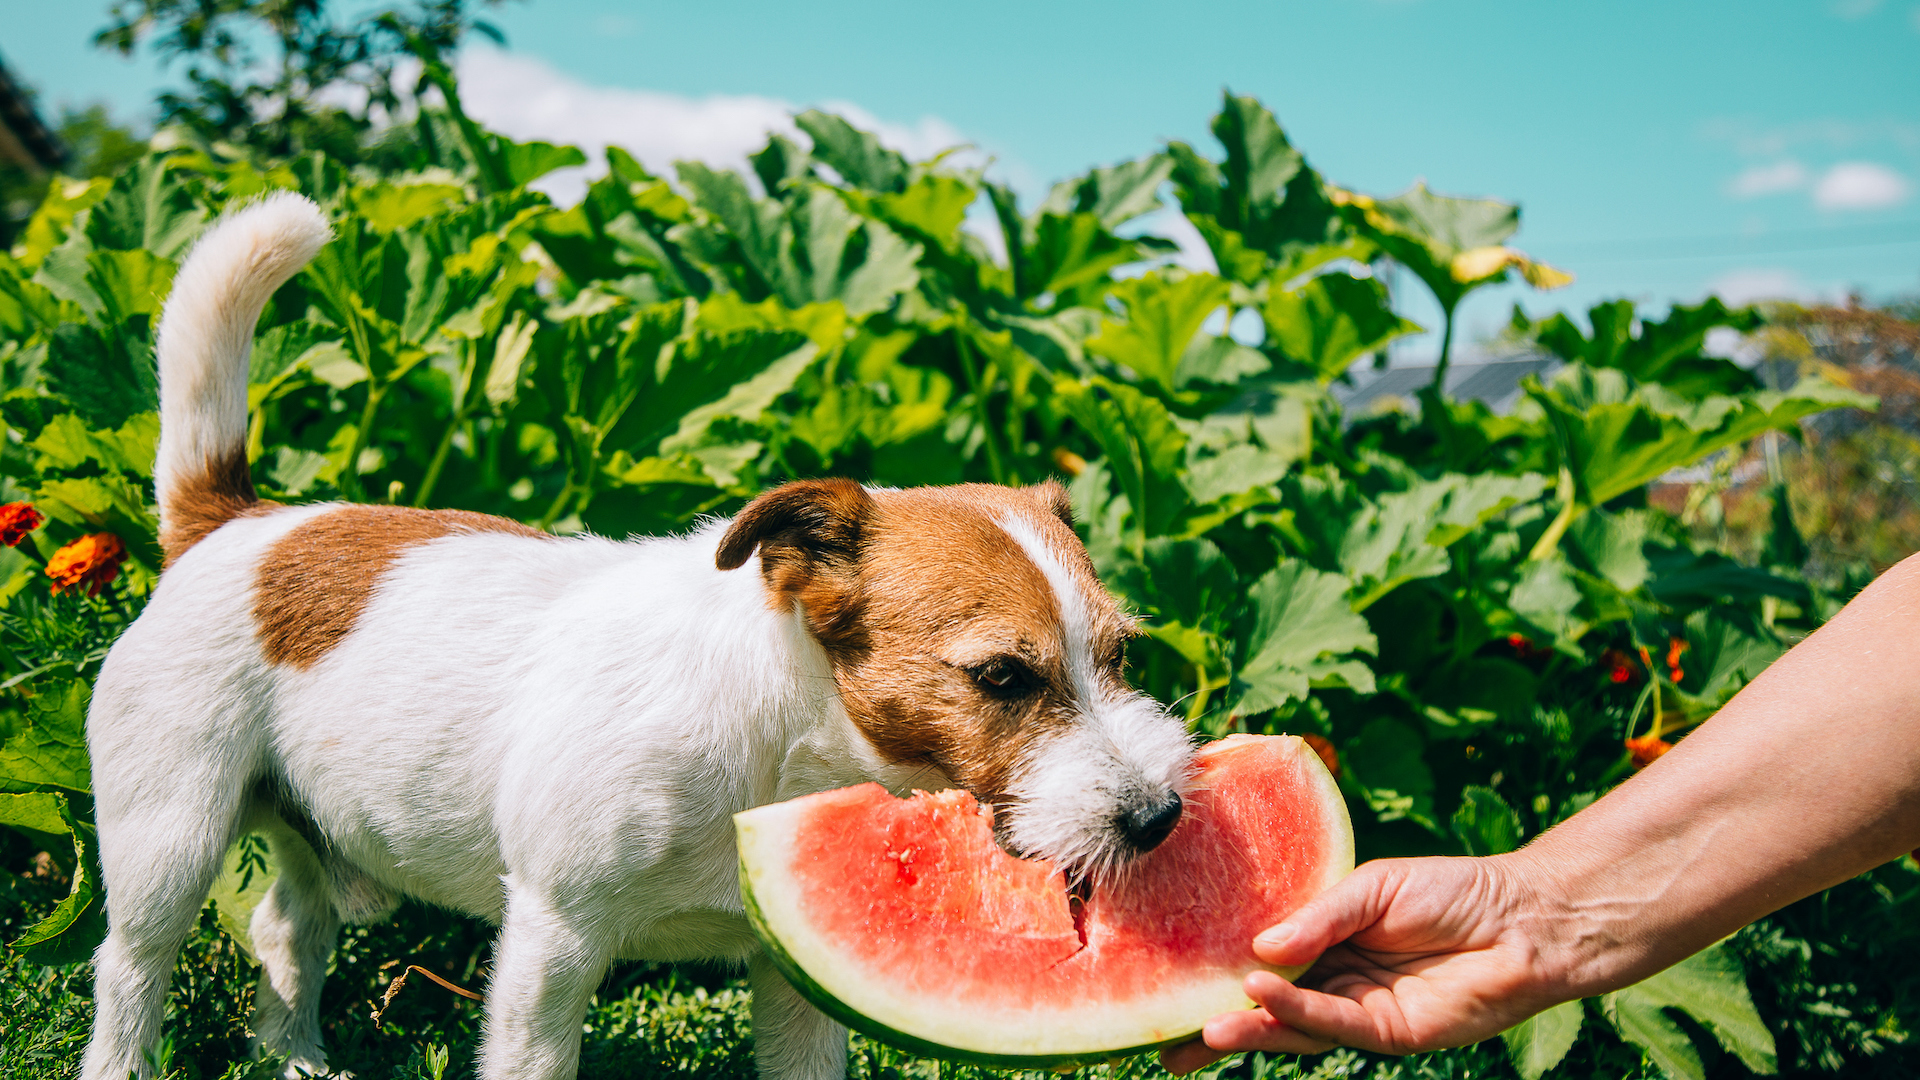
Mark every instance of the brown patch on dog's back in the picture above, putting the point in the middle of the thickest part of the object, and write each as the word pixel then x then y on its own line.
pixel 314 582
pixel 197 505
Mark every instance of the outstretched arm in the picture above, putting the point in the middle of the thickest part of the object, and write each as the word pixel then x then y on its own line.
pixel 1810 776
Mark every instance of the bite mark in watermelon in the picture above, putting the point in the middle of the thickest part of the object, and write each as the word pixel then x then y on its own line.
pixel 904 919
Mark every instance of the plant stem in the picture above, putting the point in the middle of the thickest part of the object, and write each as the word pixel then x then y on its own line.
pixel 1439 383
pixel 461 405
pixel 559 503
pixel 351 472
pixel 996 466
pixel 1570 509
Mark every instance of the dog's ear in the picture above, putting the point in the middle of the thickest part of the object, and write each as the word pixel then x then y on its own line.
pixel 808 521
pixel 808 534
pixel 1055 500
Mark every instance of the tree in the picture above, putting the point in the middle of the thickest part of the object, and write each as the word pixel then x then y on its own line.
pixel 322 84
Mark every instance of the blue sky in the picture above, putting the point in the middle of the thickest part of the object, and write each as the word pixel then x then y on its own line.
pixel 1658 150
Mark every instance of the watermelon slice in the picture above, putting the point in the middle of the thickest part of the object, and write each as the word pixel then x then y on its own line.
pixel 904 920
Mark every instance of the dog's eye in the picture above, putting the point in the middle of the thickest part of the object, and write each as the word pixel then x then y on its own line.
pixel 1003 677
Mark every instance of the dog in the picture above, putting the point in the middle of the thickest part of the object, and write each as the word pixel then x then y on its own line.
pixel 552 733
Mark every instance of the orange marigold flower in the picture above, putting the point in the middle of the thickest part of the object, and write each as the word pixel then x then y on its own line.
pixel 92 561
pixel 16 521
pixel 1646 748
pixel 1324 747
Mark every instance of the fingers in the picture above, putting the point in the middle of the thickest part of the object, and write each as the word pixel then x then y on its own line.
pixel 1323 1019
pixel 1256 1029
pixel 1357 902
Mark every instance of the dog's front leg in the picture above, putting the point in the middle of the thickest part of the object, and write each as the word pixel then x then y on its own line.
pixel 792 1040
pixel 544 974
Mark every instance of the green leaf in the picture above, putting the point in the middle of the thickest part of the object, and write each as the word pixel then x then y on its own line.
pixel 1710 987
pixel 1332 320
pixel 1385 762
pixel 1547 595
pixel 106 373
pixel 149 207
pixel 1404 535
pixel 1219 360
pixel 389 207
pixel 1112 196
pixel 1296 616
pixel 246 874
pixel 529 161
pixel 129 283
pixel 1611 546
pixel 1142 446
pixel 1164 312
pixel 933 206
pixel 67 443
pixel 856 155
pixel 1486 825
pixel 50 749
pixel 76 925
pixel 48 227
pixel 1234 470
pixel 1614 438
pixel 1427 232
pixel 1540 1042
pixel 745 400
pixel 1667 352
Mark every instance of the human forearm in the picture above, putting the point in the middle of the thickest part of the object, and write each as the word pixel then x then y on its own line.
pixel 1808 777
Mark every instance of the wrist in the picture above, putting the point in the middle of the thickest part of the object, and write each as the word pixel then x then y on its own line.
pixel 1575 947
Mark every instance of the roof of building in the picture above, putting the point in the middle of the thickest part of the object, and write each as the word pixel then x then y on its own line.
pixel 25 141
pixel 1495 382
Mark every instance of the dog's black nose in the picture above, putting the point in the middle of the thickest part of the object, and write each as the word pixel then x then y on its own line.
pixel 1150 822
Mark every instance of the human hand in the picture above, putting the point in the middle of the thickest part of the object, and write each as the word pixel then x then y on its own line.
pixel 1414 954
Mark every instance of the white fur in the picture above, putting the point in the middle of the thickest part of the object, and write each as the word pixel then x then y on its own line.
pixel 206 331
pixel 1068 790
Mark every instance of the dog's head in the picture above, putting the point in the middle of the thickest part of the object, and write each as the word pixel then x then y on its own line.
pixel 966 630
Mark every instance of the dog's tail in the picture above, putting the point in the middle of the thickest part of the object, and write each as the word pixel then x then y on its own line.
pixel 200 478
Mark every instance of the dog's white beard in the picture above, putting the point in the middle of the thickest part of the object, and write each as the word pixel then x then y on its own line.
pixel 1069 794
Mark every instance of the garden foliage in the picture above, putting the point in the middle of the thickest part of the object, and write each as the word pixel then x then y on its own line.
pixel 1476 616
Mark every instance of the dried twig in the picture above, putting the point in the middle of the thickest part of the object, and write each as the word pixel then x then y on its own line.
pixel 394 988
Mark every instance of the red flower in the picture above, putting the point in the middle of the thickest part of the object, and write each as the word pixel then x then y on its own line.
pixel 92 561
pixel 1324 747
pixel 1646 749
pixel 16 521
pixel 1674 649
pixel 1620 667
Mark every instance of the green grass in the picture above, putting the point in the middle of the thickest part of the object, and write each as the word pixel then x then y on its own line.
pixel 1834 975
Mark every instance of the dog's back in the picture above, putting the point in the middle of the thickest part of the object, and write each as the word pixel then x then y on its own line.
pixel 408 702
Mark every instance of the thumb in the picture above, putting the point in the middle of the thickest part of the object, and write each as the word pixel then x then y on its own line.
pixel 1355 903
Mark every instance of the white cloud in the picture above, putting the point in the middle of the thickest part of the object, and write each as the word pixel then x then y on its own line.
pixel 1748 285
pixel 1754 283
pixel 1854 9
pixel 1860 185
pixel 525 98
pixel 1784 175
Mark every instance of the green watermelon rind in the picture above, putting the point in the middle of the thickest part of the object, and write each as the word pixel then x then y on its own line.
pixel 900 1040
pixel 1341 857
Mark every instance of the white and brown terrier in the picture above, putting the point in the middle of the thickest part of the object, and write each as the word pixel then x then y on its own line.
pixel 553 734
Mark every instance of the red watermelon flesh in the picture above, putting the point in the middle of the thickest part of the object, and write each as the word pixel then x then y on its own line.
pixel 904 918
